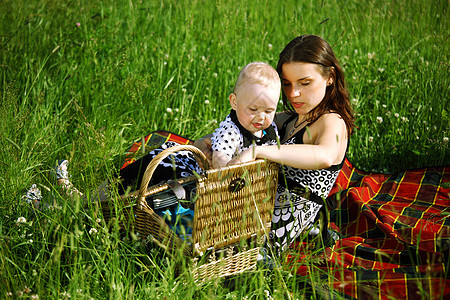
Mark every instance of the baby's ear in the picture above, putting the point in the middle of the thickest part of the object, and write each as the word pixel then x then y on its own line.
pixel 233 100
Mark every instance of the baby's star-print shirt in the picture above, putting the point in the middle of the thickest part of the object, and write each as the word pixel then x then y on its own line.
pixel 231 138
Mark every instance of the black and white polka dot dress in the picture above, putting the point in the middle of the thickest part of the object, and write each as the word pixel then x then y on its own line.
pixel 231 138
pixel 299 198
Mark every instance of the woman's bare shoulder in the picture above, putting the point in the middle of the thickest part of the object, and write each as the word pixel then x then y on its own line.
pixel 330 122
pixel 331 117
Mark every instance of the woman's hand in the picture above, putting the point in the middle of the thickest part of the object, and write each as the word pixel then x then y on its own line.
pixel 244 156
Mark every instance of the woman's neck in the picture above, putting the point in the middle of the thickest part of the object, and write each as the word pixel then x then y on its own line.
pixel 300 120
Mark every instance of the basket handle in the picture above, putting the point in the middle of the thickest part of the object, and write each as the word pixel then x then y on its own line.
pixel 198 154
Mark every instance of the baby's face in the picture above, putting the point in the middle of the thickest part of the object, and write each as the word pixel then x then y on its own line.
pixel 255 105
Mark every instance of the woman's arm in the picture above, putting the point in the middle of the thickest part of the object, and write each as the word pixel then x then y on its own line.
pixel 325 145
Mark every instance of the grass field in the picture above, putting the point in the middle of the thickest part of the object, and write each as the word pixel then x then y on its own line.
pixel 83 80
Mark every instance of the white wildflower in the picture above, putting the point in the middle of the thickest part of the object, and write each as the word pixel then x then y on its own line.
pixel 384 105
pixel 215 75
pixel 206 101
pixel 169 110
pixel 404 119
pixel 381 70
pixel 371 139
pixel 396 115
pixel 342 285
pixel 21 220
pixel 34 272
pixel 356 51
pixel 183 90
pixel 165 63
pixel 371 55
pixel 98 220
pixel 65 295
pixel 35 296
pixel 30 241
pixel 270 46
pixel 355 101
pixel 379 119
pixel 78 233
pixel 445 139
pixel 93 231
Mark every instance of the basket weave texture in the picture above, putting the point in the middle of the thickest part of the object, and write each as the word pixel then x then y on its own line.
pixel 233 204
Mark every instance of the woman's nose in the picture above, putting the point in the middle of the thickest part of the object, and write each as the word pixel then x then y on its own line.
pixel 294 92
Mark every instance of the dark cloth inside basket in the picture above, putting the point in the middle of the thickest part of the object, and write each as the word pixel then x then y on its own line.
pixel 140 154
pixel 395 235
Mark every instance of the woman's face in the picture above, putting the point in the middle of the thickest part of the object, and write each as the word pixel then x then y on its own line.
pixel 303 85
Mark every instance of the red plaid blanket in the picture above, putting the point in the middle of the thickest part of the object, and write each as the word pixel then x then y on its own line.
pixel 395 228
pixel 396 236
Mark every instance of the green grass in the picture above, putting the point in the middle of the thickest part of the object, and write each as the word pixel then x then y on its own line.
pixel 82 80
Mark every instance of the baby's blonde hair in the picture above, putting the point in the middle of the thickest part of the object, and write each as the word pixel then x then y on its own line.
pixel 259 73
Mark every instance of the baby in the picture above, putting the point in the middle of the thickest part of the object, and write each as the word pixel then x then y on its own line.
pixel 254 102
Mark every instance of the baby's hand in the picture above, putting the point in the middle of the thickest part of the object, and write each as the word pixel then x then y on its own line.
pixel 245 156
pixel 219 159
pixel 204 144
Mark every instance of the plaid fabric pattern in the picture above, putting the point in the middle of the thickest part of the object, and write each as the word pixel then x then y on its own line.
pixel 396 235
pixel 152 141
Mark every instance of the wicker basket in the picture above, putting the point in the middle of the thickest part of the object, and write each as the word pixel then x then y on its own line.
pixel 233 204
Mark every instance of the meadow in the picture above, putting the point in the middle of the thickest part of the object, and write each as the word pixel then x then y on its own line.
pixel 83 80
